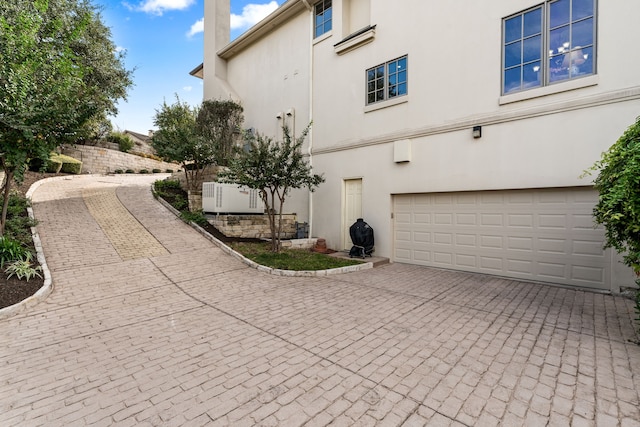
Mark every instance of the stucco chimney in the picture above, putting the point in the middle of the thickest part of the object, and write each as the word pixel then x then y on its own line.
pixel 150 133
pixel 217 34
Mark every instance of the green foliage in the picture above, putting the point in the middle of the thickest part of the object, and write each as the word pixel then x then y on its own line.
pixel 143 171
pixel 289 259
pixel 155 170
pixel 218 123
pixel 18 223
pixel 124 142
pixel 118 171
pixel 54 165
pixel 177 140
pixel 273 168
pixel 11 250
pixel 129 171
pixel 69 164
pixel 23 269
pixel 618 207
pixel 171 191
pixel 195 216
pixel 60 75
pixel 169 171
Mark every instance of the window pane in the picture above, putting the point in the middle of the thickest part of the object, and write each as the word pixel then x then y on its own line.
pixel 371 98
pixel 559 13
pixel 513 29
pixel 392 79
pixel 583 33
pixel 531 75
pixel 402 89
pixel 512 54
pixel 532 49
pixel 379 83
pixel 582 9
pixel 402 76
pixel 402 64
pixel 379 95
pixel 392 91
pixel 557 71
pixel 512 80
pixel 559 40
pixel 371 75
pixel 587 66
pixel 533 22
pixel 392 67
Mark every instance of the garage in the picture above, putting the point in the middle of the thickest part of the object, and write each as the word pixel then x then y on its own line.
pixel 545 235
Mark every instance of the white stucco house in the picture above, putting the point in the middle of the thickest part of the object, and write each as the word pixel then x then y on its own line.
pixel 458 132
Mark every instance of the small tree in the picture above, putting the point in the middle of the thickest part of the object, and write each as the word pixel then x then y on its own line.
pixel 273 168
pixel 59 74
pixel 618 207
pixel 177 139
pixel 219 122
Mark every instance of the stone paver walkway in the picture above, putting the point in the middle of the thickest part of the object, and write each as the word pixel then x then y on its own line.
pixel 171 331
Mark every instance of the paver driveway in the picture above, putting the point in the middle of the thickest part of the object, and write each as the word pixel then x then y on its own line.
pixel 151 324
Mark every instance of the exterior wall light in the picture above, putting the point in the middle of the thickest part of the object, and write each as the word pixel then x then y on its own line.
pixel 477 132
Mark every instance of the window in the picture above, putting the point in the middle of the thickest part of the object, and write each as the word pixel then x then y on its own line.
pixel 322 18
pixel 550 43
pixel 387 80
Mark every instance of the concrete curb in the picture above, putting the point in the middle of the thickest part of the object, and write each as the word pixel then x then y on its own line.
pixel 47 287
pixel 273 271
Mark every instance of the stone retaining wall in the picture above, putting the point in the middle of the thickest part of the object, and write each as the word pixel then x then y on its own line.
pixel 252 226
pixel 103 160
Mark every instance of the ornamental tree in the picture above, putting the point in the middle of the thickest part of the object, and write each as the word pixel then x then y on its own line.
pixel 219 122
pixel 274 169
pixel 177 140
pixel 59 72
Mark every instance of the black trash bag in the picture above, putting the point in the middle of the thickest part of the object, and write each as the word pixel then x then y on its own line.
pixel 362 237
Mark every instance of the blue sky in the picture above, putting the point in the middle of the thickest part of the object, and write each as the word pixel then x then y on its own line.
pixel 163 41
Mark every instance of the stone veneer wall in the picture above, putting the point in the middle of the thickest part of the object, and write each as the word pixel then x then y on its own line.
pixel 252 226
pixel 103 160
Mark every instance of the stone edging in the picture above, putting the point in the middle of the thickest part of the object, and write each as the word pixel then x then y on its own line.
pixel 274 271
pixel 47 287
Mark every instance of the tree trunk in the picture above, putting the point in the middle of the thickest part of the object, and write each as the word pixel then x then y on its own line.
pixel 8 177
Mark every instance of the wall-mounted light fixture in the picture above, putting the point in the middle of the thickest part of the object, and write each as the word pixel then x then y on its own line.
pixel 477 132
pixel 279 115
pixel 290 112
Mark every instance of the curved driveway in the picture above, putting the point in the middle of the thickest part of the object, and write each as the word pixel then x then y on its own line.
pixel 151 324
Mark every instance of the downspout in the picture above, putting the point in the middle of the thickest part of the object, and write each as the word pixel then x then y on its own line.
pixel 310 152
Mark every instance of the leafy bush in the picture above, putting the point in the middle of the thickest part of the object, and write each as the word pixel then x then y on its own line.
pixel 69 164
pixel 169 171
pixel 143 171
pixel 18 225
pixel 155 170
pixel 129 171
pixel 54 165
pixel 118 171
pixel 23 269
pixel 196 216
pixel 124 142
pixel 12 250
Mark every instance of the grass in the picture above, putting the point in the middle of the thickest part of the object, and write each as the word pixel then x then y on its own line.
pixel 289 259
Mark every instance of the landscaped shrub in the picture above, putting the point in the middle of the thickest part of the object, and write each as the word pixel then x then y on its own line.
pixel 156 170
pixel 69 164
pixel 118 171
pixel 124 142
pixel 11 250
pixel 143 171
pixel 129 171
pixel 54 165
pixel 18 226
pixel 169 171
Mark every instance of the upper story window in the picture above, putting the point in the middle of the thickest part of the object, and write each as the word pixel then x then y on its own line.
pixel 387 80
pixel 550 43
pixel 323 14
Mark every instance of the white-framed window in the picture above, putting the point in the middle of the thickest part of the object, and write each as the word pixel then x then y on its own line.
pixel 387 81
pixel 549 43
pixel 322 18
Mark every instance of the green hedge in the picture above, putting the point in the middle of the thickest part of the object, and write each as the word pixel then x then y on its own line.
pixel 54 165
pixel 69 164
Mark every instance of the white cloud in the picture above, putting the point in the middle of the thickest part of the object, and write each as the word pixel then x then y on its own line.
pixel 187 88
pixel 158 7
pixel 252 14
pixel 196 28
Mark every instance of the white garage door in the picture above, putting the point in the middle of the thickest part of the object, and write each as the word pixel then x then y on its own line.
pixel 543 235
